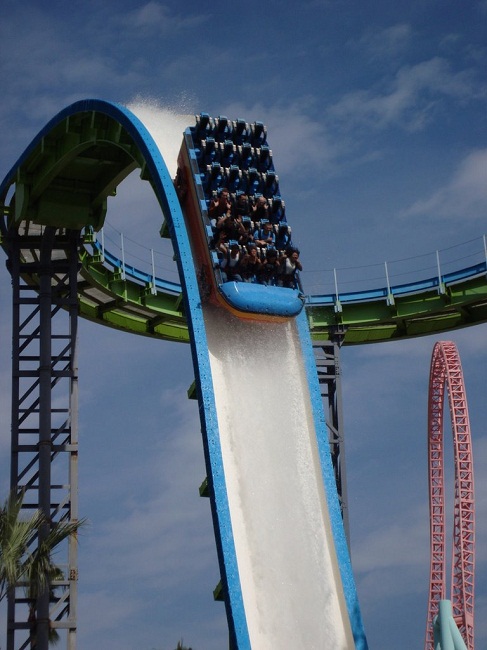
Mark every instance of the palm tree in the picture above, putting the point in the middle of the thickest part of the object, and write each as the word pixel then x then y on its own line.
pixel 18 563
pixel 15 535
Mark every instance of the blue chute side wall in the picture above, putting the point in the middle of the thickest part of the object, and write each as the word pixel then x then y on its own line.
pixel 221 514
pixel 340 542
pixel 166 195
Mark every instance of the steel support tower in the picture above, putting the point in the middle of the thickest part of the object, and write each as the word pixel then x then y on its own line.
pixel 43 264
pixel 329 377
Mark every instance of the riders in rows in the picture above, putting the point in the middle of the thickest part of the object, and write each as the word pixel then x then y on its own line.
pixel 247 214
pixel 257 207
pixel 272 267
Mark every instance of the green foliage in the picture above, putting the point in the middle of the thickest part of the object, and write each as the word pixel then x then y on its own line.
pixel 15 535
pixel 18 564
pixel 180 646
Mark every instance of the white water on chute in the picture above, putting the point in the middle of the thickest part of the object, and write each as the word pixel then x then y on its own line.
pixel 290 580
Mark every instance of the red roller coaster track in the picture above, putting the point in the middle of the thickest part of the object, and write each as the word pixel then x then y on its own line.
pixel 446 370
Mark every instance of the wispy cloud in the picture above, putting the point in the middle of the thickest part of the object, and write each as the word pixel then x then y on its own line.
pixel 154 548
pixel 465 194
pixel 293 130
pixel 47 65
pixel 383 44
pixel 159 17
pixel 117 610
pixel 409 100
pixel 404 544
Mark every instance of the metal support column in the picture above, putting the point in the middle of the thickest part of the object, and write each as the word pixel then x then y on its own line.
pixel 44 264
pixel 329 377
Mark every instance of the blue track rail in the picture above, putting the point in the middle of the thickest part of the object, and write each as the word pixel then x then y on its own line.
pixel 320 300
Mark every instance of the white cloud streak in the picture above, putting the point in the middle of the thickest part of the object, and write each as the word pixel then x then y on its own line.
pixel 464 195
pixel 160 18
pixel 409 100
pixel 306 135
pixel 382 44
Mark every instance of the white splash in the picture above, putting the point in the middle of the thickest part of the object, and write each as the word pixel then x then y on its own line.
pixel 166 127
pixel 287 564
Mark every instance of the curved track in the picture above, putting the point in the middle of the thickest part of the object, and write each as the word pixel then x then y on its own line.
pixel 446 371
pixel 63 180
pixel 76 162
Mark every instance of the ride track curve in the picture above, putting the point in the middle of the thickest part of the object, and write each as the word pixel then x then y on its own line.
pixel 62 181
pixel 116 294
pixel 446 373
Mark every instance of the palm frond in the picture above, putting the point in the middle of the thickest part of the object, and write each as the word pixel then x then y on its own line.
pixel 41 568
pixel 17 562
pixel 15 536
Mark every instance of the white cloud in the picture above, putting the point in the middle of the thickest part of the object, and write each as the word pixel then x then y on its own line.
pixel 384 43
pixel 106 611
pixel 293 130
pixel 408 100
pixel 156 16
pixel 400 544
pixel 465 194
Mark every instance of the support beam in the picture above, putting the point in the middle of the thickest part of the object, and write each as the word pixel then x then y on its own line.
pixel 329 377
pixel 44 437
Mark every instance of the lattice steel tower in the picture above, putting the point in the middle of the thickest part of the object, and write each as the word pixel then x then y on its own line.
pixel 43 263
pixel 329 376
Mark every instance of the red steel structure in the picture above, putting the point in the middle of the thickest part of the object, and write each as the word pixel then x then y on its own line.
pixel 446 370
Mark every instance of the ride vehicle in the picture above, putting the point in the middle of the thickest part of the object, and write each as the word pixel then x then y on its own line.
pixel 201 175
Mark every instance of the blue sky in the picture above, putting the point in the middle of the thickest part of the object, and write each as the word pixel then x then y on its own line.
pixel 376 115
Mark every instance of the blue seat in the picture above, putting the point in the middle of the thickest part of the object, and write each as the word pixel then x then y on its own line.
pixel 223 129
pixel 213 178
pixel 246 154
pixel 271 184
pixel 254 181
pixel 208 153
pixel 264 162
pixel 258 135
pixel 228 153
pixel 233 179
pixel 241 131
pixel 283 237
pixel 203 128
pixel 277 212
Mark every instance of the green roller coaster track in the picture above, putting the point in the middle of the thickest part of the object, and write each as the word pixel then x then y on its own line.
pixel 64 180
